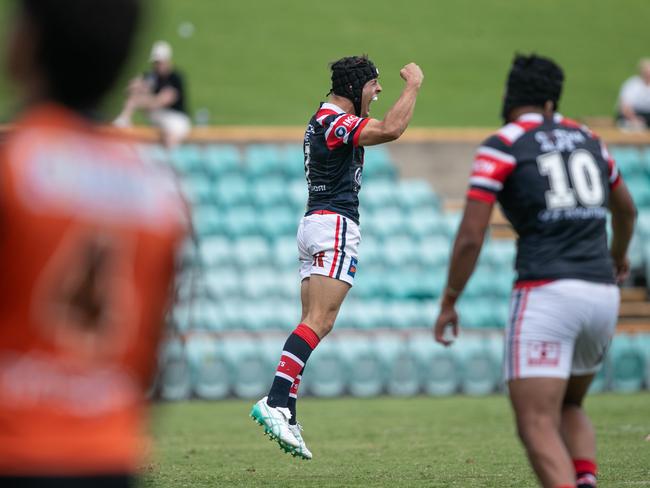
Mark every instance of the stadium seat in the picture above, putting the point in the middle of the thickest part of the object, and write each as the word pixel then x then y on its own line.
pixel 400 251
pixel 406 314
pixel 627 364
pixel 251 252
pixel 416 194
pixel 232 190
pixel 241 221
pixel 259 284
pixel 360 355
pixel 500 253
pixel 327 371
pixel 450 222
pixel 293 163
pixel 640 190
pixel 188 158
pixel 175 380
pixel 379 194
pixel 221 159
pixel 628 159
pixel 425 223
pixel 377 165
pixel 269 192
pixel 279 221
pixel 385 223
pixel 216 251
pixel 440 371
pixel 370 283
pixel 198 190
pixel 209 371
pixel 154 152
pixel 602 379
pixel 402 371
pixel 434 252
pixel 297 193
pixel 206 220
pixel 251 372
pixel 262 160
pixel 480 366
pixel 223 283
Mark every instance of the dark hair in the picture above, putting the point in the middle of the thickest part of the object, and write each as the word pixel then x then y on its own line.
pixel 82 45
pixel 533 80
pixel 349 75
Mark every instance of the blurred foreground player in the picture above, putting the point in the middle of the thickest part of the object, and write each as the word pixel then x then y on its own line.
pixel 328 235
pixel 554 180
pixel 87 248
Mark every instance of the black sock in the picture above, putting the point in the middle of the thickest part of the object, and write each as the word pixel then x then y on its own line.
pixel 294 356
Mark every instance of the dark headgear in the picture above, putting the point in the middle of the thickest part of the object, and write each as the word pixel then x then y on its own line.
pixel 532 80
pixel 349 75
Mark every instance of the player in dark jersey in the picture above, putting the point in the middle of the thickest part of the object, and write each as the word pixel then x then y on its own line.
pixel 328 235
pixel 555 181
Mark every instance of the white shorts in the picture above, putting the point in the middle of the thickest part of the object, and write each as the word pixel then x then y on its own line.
pixel 328 245
pixel 560 329
pixel 171 122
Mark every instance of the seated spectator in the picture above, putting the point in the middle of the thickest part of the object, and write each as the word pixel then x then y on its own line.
pixel 634 99
pixel 160 93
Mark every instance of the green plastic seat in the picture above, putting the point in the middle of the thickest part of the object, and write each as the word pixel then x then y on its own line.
pixel 284 253
pixel 175 378
pixel 223 283
pixel 627 364
pixel 251 372
pixel 216 251
pixel 434 252
pixel 279 221
pixel 259 284
pixel 378 165
pixel 198 190
pixel 369 284
pixel 240 222
pixel 251 252
pixel 378 195
pixel 188 158
pixel 602 379
pixel 416 194
pixel 639 186
pixel 232 190
pixel 450 222
pixel 221 159
pixel 293 162
pixel 262 160
pixel 406 314
pixel 440 372
pixel 402 370
pixel 500 253
pixel 400 251
pixel 628 159
pixel 360 355
pixel 206 220
pixel 209 370
pixel 297 194
pixel 270 192
pixel 385 223
pixel 327 374
pixel 425 223
pixel 481 366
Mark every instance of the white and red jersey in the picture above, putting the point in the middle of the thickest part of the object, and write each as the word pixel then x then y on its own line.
pixel 334 161
pixel 552 178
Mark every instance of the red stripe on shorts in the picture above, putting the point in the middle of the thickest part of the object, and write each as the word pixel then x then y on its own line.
pixel 520 318
pixel 336 246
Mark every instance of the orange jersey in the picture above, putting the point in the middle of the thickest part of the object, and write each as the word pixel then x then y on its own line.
pixel 88 237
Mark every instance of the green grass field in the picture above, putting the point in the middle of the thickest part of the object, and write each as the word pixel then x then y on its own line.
pixel 443 442
pixel 261 62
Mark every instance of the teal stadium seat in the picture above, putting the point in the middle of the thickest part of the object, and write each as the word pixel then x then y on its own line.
pixel 450 223
pixel 440 371
pixel 154 152
pixel 251 372
pixel 216 251
pixel 500 253
pixel 361 356
pixel 385 223
pixel 416 194
pixel 284 252
pixel 188 158
pixel 402 370
pixel 221 159
pixel 223 283
pixel 293 163
pixel 370 283
pixel 379 194
pixel 279 221
pixel 175 379
pixel 241 221
pixel 206 315
pixel 232 190
pixel 263 160
pixel 377 164
pixel 628 159
pixel 198 190
pixel 627 363
pixel 206 220
pixel 434 252
pixel 400 251
pixel 259 284
pixel 327 372
pixel 481 367
pixel 602 379
pixel 251 252
pixel 297 193
pixel 425 223
pixel 209 370
pixel 269 192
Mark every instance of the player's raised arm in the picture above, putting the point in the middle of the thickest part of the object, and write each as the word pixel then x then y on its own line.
pixel 399 115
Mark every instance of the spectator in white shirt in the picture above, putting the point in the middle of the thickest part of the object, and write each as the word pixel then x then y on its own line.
pixel 634 99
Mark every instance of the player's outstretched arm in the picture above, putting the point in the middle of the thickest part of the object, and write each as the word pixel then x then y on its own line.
pixel 467 248
pixel 399 115
pixel 623 217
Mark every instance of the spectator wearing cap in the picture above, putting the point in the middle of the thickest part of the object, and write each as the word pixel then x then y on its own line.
pixel 161 94
pixel 634 99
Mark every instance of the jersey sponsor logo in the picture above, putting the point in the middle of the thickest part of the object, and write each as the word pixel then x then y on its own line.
pixel 349 120
pixel 352 269
pixel 543 353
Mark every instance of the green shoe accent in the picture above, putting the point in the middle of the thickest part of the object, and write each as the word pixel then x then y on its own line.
pixel 258 418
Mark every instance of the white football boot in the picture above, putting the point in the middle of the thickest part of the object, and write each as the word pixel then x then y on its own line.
pixel 275 421
pixel 302 450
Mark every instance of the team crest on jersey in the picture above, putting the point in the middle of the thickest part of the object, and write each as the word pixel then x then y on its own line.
pixel 543 353
pixel 341 132
pixel 352 270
